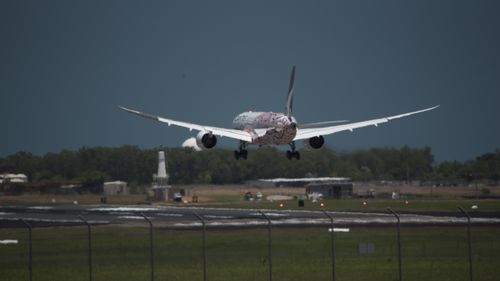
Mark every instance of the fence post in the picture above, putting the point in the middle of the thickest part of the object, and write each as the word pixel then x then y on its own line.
pixel 399 243
pixel 269 245
pixel 469 239
pixel 90 245
pixel 204 245
pixel 30 262
pixel 333 243
pixel 151 249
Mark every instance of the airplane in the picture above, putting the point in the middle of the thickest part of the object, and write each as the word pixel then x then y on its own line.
pixel 270 128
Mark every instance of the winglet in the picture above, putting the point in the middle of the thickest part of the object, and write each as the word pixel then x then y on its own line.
pixel 289 99
pixel 411 113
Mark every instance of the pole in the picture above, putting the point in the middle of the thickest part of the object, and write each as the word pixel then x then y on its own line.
pixel 399 243
pixel 151 249
pixel 269 244
pixel 332 243
pixel 90 245
pixel 204 245
pixel 469 240
pixel 30 262
pixel 477 190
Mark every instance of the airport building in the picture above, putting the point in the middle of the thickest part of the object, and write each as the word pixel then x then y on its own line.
pixel 115 188
pixel 315 188
pixel 13 178
pixel 331 190
pixel 295 182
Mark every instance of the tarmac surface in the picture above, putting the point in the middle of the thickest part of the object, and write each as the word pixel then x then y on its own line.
pixel 187 217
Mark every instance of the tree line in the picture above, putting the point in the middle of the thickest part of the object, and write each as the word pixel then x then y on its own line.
pixel 91 166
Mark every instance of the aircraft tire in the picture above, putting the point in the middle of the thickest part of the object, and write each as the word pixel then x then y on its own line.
pixel 241 154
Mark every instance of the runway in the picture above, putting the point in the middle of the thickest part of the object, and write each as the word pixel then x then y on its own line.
pixel 185 217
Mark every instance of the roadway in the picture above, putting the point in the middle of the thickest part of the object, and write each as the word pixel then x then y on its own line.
pixel 184 217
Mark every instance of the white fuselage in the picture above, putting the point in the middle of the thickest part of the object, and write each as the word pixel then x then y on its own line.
pixel 268 128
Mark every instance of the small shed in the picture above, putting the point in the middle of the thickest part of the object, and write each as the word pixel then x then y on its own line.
pixel 332 190
pixel 115 188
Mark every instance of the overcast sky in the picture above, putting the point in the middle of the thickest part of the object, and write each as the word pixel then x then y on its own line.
pixel 65 66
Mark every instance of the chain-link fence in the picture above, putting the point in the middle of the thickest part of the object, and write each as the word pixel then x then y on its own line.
pixel 262 248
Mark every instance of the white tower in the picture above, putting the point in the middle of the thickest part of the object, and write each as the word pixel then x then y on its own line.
pixel 161 178
pixel 162 168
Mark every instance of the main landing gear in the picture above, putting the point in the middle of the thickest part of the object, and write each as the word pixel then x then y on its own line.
pixel 292 154
pixel 242 152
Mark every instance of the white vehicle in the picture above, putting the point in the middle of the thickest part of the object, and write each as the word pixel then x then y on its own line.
pixel 270 128
pixel 315 196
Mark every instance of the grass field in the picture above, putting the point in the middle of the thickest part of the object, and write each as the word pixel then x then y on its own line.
pixel 51 199
pixel 122 253
pixel 379 205
pixel 444 199
pixel 231 196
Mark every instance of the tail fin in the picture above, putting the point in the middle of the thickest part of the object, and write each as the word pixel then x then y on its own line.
pixel 289 100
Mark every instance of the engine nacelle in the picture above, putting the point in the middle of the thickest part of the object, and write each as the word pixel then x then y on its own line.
pixel 314 142
pixel 205 140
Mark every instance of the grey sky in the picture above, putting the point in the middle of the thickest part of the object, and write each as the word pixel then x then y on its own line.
pixel 66 65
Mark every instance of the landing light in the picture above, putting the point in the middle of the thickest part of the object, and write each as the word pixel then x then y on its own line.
pixel 282 205
pixel 365 203
pixel 322 204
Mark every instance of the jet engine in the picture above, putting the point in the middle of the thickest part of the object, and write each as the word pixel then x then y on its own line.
pixel 205 140
pixel 314 142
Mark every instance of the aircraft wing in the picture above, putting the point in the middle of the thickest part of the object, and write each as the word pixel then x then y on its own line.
pixel 322 131
pixel 230 133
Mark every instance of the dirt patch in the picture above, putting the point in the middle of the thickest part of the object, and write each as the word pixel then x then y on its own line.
pixel 451 192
